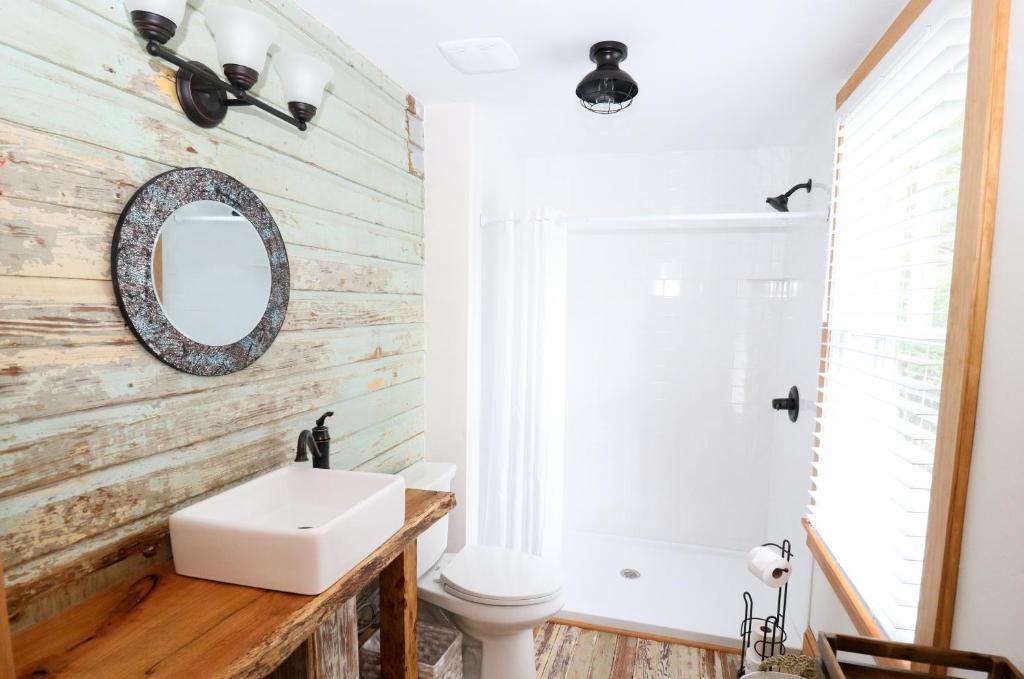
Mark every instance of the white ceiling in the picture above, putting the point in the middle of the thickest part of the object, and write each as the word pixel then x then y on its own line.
pixel 712 73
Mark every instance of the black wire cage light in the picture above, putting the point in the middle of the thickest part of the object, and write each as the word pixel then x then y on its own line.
pixel 607 89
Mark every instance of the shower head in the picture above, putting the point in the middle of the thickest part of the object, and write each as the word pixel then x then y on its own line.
pixel 781 202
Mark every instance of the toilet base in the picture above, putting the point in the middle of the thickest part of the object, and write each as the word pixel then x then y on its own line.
pixel 505 656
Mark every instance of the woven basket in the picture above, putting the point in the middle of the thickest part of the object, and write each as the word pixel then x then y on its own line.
pixel 439 651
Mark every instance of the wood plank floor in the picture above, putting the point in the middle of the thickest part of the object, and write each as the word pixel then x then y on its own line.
pixel 565 652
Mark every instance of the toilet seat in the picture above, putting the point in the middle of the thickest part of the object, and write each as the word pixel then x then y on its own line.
pixel 500 577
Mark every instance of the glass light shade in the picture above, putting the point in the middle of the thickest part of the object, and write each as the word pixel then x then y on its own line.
pixel 172 10
pixel 242 36
pixel 303 77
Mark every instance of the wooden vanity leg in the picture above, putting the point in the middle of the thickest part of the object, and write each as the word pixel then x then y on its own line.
pixel 398 616
pixel 332 652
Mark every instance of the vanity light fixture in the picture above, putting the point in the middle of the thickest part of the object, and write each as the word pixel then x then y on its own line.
pixel 242 38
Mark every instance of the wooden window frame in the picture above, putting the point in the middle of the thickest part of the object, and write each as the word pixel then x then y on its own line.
pixel 965 330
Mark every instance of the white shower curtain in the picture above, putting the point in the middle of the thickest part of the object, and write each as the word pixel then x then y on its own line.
pixel 523 378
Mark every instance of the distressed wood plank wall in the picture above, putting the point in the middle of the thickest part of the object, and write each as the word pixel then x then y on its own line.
pixel 100 442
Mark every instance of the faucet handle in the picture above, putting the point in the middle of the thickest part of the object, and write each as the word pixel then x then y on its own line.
pixel 320 420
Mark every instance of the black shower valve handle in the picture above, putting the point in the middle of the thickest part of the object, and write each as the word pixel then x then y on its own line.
pixel 783 403
pixel 791 403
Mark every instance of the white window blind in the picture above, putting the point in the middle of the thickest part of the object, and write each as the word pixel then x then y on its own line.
pixel 897 177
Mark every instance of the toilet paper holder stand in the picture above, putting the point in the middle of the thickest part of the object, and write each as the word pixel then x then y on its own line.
pixel 769 632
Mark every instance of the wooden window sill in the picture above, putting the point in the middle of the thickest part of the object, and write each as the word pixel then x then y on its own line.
pixel 844 589
pixel 852 602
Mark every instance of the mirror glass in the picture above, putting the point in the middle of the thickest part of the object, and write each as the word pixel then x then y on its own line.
pixel 211 273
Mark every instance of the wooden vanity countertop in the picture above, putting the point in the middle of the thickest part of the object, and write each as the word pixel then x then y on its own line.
pixel 166 625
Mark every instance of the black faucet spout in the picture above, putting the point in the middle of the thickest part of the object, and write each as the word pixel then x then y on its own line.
pixel 307 443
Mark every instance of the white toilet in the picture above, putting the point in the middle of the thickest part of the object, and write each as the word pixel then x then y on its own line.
pixel 496 596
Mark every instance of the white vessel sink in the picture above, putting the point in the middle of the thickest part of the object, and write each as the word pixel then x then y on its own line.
pixel 296 529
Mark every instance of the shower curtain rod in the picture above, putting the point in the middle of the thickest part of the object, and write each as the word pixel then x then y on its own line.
pixel 772 218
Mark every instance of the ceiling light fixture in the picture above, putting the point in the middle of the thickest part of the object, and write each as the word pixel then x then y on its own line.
pixel 607 89
pixel 243 38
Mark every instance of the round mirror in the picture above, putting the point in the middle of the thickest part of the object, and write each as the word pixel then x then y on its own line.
pixel 200 271
pixel 211 273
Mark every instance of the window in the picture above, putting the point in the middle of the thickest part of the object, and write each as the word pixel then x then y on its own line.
pixel 899 151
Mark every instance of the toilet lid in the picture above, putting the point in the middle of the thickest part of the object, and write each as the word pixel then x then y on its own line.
pixel 501 577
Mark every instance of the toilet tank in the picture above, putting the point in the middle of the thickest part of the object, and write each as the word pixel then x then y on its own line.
pixel 430 546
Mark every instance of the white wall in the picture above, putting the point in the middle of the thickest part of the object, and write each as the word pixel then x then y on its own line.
pixel 990 596
pixel 989 613
pixel 451 230
pixel 826 610
pixel 673 342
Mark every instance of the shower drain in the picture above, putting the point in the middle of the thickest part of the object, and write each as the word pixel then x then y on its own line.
pixel 630 573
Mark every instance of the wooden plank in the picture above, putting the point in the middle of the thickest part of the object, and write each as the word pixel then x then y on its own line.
pixel 965 327
pixel 562 655
pixel 54 312
pixel 604 656
pixel 57 242
pixel 565 650
pixel 686 662
pixel 37 167
pixel 729 664
pixel 54 241
pixel 42 520
pixel 398 616
pixel 384 446
pixel 546 645
pixel 652 660
pixel 127 373
pixel 39 312
pixel 621 631
pixel 928 655
pixel 325 270
pixel 310 310
pixel 127 123
pixel 330 653
pixel 625 657
pixel 397 458
pixel 903 21
pixel 60 582
pixel 360 394
pixel 853 604
pixel 165 625
pixel 6 650
pixel 709 668
pixel 583 655
pixel 110 53
pixel 809 646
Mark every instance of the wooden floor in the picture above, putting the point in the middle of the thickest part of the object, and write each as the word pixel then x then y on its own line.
pixel 571 652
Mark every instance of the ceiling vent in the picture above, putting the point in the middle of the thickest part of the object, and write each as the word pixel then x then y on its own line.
pixel 480 55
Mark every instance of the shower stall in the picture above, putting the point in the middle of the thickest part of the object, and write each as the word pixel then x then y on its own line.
pixel 677 339
pixel 679 324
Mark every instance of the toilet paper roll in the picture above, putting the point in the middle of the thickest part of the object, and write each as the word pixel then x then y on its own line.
pixel 768 567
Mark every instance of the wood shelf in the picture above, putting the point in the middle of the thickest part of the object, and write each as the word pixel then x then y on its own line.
pixel 167 625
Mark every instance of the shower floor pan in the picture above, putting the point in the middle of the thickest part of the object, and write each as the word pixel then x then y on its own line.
pixel 674 590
